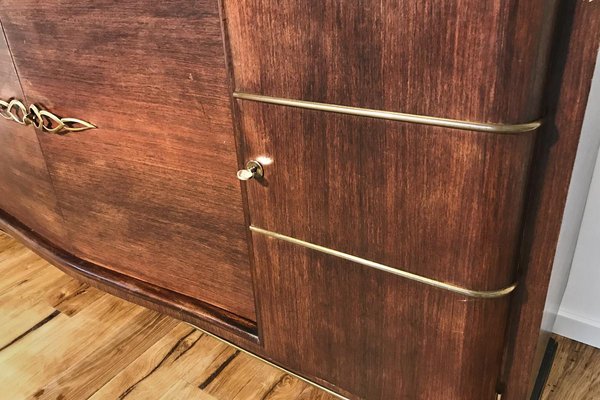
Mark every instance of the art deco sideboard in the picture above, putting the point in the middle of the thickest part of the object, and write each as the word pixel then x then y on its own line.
pixel 367 194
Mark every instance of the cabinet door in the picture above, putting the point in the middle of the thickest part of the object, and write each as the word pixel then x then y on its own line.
pixel 25 189
pixel 437 202
pixel 341 102
pixel 348 203
pixel 152 192
pixel 374 334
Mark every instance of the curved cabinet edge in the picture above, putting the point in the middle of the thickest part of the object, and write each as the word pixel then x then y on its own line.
pixel 198 313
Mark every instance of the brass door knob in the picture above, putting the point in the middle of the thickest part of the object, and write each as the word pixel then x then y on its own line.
pixel 253 170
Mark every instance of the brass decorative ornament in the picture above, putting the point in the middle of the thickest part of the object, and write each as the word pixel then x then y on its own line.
pixel 41 119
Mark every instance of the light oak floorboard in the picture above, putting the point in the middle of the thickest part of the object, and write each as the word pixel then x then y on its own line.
pixel 184 390
pixel 575 373
pixel 62 339
pixel 23 305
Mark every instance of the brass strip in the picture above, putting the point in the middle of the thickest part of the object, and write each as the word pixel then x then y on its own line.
pixel 408 275
pixel 395 116
pixel 339 396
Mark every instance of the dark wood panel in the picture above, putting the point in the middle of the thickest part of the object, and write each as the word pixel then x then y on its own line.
pixel 575 55
pixel 374 334
pixel 25 187
pixel 465 59
pixel 446 204
pixel 152 193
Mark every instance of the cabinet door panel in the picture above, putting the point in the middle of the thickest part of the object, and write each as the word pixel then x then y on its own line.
pixel 152 192
pixel 26 191
pixel 373 334
pixel 443 203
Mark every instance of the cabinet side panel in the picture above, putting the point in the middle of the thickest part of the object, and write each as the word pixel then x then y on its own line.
pixel 574 55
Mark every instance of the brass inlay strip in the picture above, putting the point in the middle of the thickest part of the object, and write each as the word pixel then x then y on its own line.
pixel 395 116
pixel 408 275
pixel 339 396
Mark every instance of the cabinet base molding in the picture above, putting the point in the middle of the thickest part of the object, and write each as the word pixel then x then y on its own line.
pixel 131 289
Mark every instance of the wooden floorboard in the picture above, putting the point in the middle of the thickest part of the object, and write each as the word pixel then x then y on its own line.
pixel 575 373
pixel 61 339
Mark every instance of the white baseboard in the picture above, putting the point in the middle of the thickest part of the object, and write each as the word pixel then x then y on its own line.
pixel 577 327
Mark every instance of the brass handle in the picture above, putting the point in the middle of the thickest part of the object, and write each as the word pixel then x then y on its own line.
pixel 43 120
pixel 253 170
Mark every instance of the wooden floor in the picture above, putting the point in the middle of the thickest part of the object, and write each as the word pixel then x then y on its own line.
pixel 60 339
pixel 575 372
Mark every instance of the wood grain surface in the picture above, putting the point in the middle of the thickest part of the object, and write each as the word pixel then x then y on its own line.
pixel 575 373
pixel 25 187
pixel 442 203
pixel 227 326
pixel 62 339
pixel 152 192
pixel 466 59
pixel 577 42
pixel 375 335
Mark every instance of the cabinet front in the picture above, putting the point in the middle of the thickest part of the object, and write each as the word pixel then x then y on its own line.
pixel 150 191
pixel 467 59
pixel 384 152
pixel 388 151
pixel 384 249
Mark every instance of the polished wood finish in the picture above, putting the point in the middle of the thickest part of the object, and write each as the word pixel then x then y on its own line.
pixel 25 187
pixel 445 204
pixel 578 39
pixel 62 339
pixel 467 59
pixel 152 192
pixel 376 336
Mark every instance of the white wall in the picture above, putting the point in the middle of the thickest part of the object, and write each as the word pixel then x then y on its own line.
pixel 579 312
pixel 576 265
